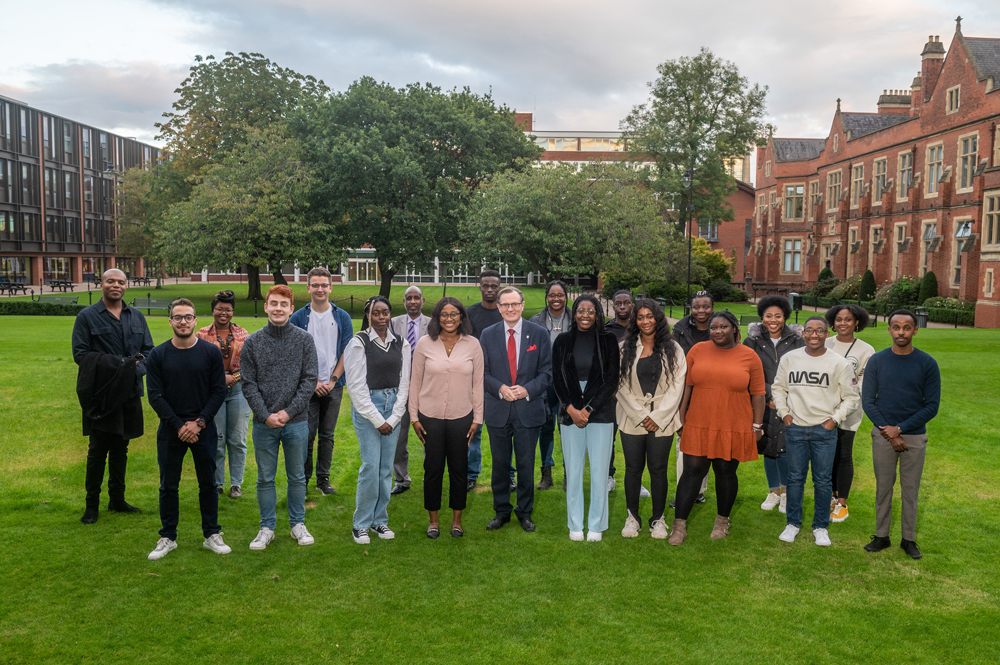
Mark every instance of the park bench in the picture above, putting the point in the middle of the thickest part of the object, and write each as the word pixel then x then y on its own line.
pixel 151 303
pixel 59 300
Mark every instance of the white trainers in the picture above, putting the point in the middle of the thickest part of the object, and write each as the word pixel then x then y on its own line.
pixel 263 539
pixel 361 536
pixel 576 536
pixel 822 537
pixel 643 492
pixel 632 527
pixel 771 502
pixel 301 534
pixel 214 543
pixel 163 547
pixel 782 507
pixel 594 536
pixel 659 530
pixel 384 532
pixel 611 484
pixel 788 535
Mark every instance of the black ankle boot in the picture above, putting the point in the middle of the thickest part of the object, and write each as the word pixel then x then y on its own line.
pixel 89 515
pixel 546 481
pixel 121 506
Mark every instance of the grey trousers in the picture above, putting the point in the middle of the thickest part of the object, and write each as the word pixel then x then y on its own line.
pixel 911 467
pixel 401 463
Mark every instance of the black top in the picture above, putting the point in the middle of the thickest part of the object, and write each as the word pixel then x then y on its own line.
pixel 384 364
pixel 648 370
pixel 96 329
pixel 583 351
pixel 699 335
pixel 482 318
pixel 618 329
pixel 602 381
pixel 186 384
pixel 686 334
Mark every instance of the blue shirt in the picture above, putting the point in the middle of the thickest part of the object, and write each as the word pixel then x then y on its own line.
pixel 903 391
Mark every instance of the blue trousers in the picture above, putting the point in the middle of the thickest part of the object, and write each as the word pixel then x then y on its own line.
pixel 776 470
pixel 594 440
pixel 232 422
pixel 816 445
pixel 377 454
pixel 266 441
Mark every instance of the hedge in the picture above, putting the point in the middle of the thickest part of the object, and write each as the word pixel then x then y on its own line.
pixel 29 308
pixel 944 315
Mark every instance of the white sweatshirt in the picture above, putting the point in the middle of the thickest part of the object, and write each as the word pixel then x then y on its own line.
pixel 814 389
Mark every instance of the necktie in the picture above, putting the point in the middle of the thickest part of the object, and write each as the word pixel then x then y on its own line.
pixel 512 356
pixel 411 336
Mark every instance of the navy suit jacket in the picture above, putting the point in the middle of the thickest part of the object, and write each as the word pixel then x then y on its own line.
pixel 534 374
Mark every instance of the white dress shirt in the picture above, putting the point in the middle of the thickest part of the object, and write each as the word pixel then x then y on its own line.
pixel 356 374
pixel 517 344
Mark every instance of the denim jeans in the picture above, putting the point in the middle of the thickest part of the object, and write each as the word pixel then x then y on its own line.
pixel 377 454
pixel 547 437
pixel 476 454
pixel 170 452
pixel 776 470
pixel 266 441
pixel 816 445
pixel 232 422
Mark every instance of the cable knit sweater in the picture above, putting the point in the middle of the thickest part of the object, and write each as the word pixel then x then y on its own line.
pixel 279 367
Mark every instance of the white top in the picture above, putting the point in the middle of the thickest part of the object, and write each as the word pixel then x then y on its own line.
pixel 356 374
pixel 859 354
pixel 323 329
pixel 663 408
pixel 814 388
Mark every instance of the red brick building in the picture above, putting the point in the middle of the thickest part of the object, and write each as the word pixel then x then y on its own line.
pixel 912 187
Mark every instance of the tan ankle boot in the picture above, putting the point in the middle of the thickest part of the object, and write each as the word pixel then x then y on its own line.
pixel 721 528
pixel 679 532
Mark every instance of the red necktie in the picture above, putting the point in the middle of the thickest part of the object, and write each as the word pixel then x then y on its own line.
pixel 512 356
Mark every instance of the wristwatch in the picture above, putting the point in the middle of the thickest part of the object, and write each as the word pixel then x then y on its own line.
pixel 201 423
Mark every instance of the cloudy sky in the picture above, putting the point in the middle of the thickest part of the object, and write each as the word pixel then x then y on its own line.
pixel 577 64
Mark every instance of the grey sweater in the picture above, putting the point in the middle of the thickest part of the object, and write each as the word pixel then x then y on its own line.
pixel 278 367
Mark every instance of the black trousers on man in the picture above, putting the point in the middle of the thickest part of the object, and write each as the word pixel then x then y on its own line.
pixel 519 441
pixel 111 450
pixel 170 451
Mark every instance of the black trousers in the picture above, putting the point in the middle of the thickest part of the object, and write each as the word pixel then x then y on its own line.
pixel 843 464
pixel 517 440
pixel 110 449
pixel 727 484
pixel 170 452
pixel 322 418
pixel 446 441
pixel 639 451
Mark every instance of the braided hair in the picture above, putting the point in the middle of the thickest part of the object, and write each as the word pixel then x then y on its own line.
pixel 365 324
pixel 728 316
pixel 227 297
pixel 662 341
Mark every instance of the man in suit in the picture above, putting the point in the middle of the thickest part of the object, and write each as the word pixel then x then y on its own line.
pixel 411 327
pixel 517 365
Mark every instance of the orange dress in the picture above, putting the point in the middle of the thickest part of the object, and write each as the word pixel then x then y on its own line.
pixel 719 419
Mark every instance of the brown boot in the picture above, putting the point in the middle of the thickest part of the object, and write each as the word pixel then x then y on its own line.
pixel 679 533
pixel 721 528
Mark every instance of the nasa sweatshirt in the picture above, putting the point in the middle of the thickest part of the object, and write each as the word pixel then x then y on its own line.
pixel 814 388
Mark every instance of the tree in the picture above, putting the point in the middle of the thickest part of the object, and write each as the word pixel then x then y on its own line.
pixel 714 261
pixel 701 114
pixel 396 168
pixel 928 287
pixel 250 209
pixel 868 287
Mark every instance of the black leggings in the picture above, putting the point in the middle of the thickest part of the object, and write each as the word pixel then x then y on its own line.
pixel 446 439
pixel 727 484
pixel 843 464
pixel 640 450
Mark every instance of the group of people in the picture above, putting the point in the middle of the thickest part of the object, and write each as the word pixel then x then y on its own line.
pixel 792 394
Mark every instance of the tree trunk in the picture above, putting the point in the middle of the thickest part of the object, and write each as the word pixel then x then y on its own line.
pixel 278 277
pixel 159 274
pixel 253 282
pixel 387 274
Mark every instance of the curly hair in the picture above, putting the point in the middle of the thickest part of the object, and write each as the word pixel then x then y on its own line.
pixel 592 299
pixel 728 316
pixel 663 349
pixel 860 314
pixel 434 325
pixel 781 302
pixel 365 324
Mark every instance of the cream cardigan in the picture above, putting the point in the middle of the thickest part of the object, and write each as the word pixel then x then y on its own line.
pixel 663 407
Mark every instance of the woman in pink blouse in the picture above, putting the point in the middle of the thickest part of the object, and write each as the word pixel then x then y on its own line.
pixel 446 406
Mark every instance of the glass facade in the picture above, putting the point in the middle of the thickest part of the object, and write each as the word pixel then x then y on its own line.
pixel 16 269
pixel 56 268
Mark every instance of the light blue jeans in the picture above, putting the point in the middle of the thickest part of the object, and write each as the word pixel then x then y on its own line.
pixel 232 422
pixel 377 454
pixel 594 440
pixel 293 437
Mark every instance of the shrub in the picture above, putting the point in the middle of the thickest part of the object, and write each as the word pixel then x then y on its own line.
pixel 928 287
pixel 901 293
pixel 943 315
pixel 825 273
pixel 823 287
pixel 29 308
pixel 949 303
pixel 719 290
pixel 847 289
pixel 867 290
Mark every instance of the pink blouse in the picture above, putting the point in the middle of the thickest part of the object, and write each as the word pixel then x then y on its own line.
pixel 447 387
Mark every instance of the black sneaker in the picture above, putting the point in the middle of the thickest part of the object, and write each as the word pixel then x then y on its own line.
pixel 220 490
pixel 361 536
pixel 700 498
pixel 513 485
pixel 910 547
pixel 878 544
pixel 471 485
pixel 325 488
pixel 673 504
pixel 384 532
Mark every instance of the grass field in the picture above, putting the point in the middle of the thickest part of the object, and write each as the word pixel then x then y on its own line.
pixel 71 593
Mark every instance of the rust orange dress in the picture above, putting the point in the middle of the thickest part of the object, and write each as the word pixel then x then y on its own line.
pixel 719 419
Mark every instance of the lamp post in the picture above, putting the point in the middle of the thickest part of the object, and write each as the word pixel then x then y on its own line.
pixel 689 178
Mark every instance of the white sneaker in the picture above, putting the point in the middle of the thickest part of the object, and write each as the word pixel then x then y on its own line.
pixel 822 537
pixel 384 532
pixel 784 502
pixel 264 537
pixel 611 484
pixel 771 502
pixel 576 536
pixel 788 535
pixel 163 547
pixel 643 492
pixel 214 543
pixel 361 536
pixel 301 534
pixel 632 527
pixel 594 536
pixel 659 530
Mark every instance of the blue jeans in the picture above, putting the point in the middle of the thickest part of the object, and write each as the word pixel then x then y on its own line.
pixel 776 470
pixel 817 445
pixel 377 454
pixel 232 422
pixel 476 454
pixel 266 441
pixel 595 440
pixel 547 437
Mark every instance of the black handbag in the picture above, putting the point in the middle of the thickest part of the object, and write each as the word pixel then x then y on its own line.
pixel 772 442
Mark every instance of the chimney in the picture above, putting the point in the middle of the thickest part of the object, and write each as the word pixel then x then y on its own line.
pixel 933 61
pixel 915 96
pixel 894 102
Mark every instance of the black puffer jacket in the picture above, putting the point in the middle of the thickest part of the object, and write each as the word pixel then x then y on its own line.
pixel 602 384
pixel 683 335
pixel 772 443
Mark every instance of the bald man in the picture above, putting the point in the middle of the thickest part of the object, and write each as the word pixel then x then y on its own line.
pixel 110 344
pixel 411 327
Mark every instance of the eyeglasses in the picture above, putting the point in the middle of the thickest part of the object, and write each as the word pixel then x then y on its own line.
pixel 453 315
pixel 319 286
pixel 808 332
pixel 220 310
pixel 186 318
pixel 510 305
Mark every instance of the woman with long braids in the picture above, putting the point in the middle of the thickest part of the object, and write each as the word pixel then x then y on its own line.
pixel 377 366
pixel 554 318
pixel 721 413
pixel 649 397
pixel 233 418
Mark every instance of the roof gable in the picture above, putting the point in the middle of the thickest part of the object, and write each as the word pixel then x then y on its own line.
pixel 863 124
pixel 984 55
pixel 797 150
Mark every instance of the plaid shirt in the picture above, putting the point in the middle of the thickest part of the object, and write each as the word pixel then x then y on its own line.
pixel 239 336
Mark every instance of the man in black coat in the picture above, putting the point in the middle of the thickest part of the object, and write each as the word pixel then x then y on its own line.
pixel 119 334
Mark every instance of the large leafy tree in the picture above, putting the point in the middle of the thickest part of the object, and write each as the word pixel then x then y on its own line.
pixel 396 168
pixel 701 113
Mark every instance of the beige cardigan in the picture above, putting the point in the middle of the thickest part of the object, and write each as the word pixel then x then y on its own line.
pixel 663 408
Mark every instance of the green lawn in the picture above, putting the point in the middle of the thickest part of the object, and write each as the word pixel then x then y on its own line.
pixel 72 593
